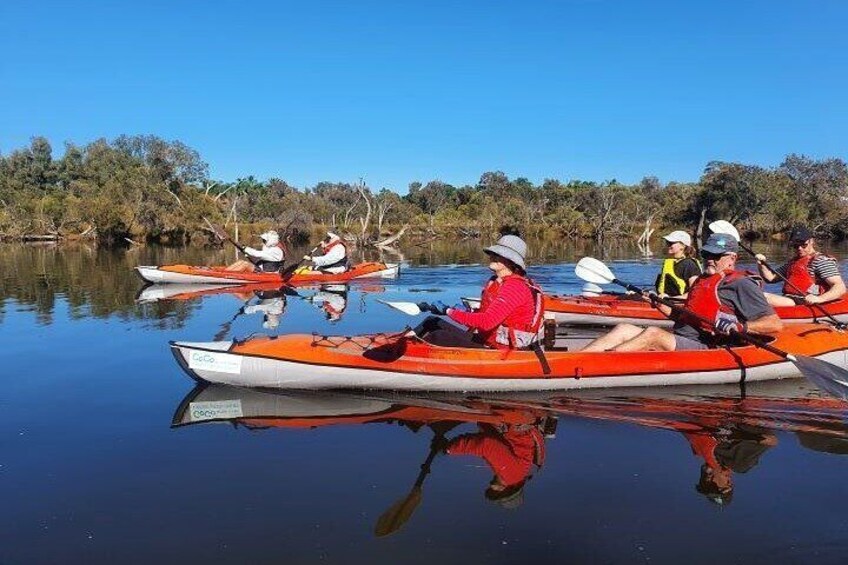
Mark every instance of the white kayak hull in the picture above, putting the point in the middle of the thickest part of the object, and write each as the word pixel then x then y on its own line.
pixel 210 362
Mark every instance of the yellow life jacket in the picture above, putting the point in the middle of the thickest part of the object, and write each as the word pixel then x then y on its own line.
pixel 668 272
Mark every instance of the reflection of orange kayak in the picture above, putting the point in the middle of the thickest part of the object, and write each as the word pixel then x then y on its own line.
pixel 305 409
pixel 188 274
pixel 782 406
pixel 609 309
pixel 155 292
pixel 408 363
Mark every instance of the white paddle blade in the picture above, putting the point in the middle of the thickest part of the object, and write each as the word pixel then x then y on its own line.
pixel 408 308
pixel 724 227
pixel 591 270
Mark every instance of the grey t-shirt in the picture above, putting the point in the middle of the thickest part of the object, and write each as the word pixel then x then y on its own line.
pixel 743 295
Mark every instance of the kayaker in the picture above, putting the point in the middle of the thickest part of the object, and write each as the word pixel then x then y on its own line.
pixel 270 257
pixel 729 297
pixel 812 273
pixel 680 269
pixel 333 258
pixel 510 312
pixel 511 451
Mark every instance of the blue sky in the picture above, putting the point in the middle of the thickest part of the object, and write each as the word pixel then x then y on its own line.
pixel 402 91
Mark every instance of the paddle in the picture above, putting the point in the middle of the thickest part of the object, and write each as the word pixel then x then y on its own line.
pixel 398 513
pixel 824 375
pixel 412 309
pixel 287 273
pixel 225 327
pixel 224 236
pixel 726 228
pixel 408 308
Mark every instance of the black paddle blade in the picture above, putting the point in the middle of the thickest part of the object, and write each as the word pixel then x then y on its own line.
pixel 392 519
pixel 826 376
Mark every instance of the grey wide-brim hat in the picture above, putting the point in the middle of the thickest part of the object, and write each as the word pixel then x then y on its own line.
pixel 510 247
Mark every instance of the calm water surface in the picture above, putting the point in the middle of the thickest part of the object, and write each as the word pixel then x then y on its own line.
pixel 109 454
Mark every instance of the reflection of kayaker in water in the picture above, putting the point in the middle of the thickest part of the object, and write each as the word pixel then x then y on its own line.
pixel 271 304
pixel 727 450
pixel 511 450
pixel 332 299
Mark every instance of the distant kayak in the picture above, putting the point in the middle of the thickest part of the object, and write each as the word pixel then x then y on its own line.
pixel 187 274
pixel 610 309
pixel 407 362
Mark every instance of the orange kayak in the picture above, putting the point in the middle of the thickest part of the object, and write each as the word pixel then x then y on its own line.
pixel 610 309
pixel 187 274
pixel 406 362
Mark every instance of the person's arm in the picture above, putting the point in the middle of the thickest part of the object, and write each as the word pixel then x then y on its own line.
pixel 753 308
pixel 768 275
pixel 827 269
pixel 511 295
pixel 766 325
pixel 266 253
pixel 335 255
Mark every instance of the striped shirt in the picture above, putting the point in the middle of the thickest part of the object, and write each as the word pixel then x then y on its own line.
pixel 821 266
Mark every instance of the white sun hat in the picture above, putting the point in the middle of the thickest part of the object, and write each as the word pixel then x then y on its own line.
pixel 679 236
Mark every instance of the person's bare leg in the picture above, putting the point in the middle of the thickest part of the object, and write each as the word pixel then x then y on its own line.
pixel 616 336
pixel 241 266
pixel 779 299
pixel 652 339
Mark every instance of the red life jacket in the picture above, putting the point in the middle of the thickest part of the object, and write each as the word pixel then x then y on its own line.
pixel 798 274
pixel 703 299
pixel 332 245
pixel 514 333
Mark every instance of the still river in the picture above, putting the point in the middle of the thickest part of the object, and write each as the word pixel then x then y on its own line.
pixel 108 454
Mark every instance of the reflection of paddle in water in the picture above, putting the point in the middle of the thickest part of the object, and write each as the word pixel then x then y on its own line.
pixel 225 327
pixel 398 513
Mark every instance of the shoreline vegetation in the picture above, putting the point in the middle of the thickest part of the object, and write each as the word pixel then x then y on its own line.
pixel 139 189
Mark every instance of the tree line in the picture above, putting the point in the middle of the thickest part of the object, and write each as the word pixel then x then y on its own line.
pixel 144 188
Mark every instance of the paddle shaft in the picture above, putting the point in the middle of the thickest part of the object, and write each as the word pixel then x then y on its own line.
pixel 222 234
pixel 681 310
pixel 791 285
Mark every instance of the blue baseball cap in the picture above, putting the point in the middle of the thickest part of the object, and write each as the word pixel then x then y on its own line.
pixel 719 244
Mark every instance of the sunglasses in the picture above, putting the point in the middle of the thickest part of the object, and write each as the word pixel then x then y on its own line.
pixel 714 256
pixel 797 244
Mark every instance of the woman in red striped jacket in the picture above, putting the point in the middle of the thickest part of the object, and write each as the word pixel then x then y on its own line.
pixel 510 313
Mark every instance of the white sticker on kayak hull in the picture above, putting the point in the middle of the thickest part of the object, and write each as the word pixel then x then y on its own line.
pixel 215 410
pixel 218 362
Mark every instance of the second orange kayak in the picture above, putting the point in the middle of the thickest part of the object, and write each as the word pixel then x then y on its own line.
pixel 610 309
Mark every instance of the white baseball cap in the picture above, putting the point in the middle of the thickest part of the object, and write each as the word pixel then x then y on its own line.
pixel 679 236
